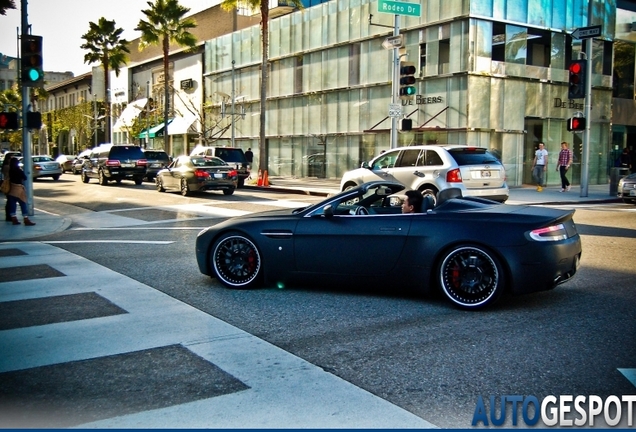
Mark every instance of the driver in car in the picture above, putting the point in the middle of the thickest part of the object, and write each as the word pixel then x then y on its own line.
pixel 413 202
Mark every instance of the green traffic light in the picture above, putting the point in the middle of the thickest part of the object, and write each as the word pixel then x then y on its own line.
pixel 34 74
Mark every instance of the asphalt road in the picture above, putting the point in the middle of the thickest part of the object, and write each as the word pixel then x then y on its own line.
pixel 420 353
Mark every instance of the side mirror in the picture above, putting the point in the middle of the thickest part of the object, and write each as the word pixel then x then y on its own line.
pixel 365 164
pixel 327 211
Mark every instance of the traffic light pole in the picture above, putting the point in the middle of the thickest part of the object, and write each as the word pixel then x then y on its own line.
pixel 585 162
pixel 27 165
pixel 395 84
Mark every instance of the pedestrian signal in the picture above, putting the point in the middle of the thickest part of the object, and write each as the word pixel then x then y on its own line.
pixel 576 124
pixel 9 120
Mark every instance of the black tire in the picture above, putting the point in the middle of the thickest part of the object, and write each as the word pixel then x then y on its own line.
pixel 56 177
pixel 471 277
pixel 85 178
pixel 185 189
pixel 228 191
pixel 159 185
pixel 102 178
pixel 236 261
pixel 138 180
pixel 348 186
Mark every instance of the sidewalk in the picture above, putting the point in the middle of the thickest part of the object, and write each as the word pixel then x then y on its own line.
pixel 47 223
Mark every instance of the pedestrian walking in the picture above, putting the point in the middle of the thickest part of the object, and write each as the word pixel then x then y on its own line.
pixel 563 165
pixel 17 193
pixel 540 166
pixel 249 155
pixel 625 159
pixel 5 175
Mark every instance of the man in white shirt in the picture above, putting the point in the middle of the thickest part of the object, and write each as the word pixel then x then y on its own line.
pixel 540 166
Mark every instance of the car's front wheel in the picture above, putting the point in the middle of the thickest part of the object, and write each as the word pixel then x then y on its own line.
pixel 185 189
pixel 159 185
pixel 471 277
pixel 236 261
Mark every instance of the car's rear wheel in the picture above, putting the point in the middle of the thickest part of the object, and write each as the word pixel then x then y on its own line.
pixel 102 178
pixel 185 189
pixel 56 177
pixel 348 186
pixel 138 180
pixel 471 277
pixel 85 178
pixel 236 261
pixel 159 185
pixel 429 191
pixel 228 191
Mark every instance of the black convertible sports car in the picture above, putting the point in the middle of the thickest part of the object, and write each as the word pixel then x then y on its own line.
pixel 471 248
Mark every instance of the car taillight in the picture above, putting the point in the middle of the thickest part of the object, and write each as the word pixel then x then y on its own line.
pixel 142 162
pixel 232 173
pixel 454 176
pixel 201 173
pixel 111 162
pixel 551 233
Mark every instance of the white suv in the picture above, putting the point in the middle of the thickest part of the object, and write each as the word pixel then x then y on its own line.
pixel 431 168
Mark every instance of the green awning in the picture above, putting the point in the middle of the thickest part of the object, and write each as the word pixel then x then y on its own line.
pixel 154 131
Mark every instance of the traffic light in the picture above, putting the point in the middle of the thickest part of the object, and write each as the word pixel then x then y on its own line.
pixel 407 124
pixel 9 120
pixel 576 124
pixel 578 79
pixel 407 79
pixel 33 120
pixel 31 61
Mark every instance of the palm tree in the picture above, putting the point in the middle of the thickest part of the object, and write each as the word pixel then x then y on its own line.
pixel 6 4
pixel 105 46
pixel 166 23
pixel 264 8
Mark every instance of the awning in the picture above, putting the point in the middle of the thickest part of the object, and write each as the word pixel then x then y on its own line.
pixel 130 113
pixel 154 131
pixel 180 125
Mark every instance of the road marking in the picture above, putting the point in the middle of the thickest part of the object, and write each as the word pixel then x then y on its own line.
pixel 110 241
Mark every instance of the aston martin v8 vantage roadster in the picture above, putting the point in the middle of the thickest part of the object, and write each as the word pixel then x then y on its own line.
pixel 472 249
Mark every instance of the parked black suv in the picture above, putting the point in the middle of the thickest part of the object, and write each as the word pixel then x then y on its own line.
pixel 231 155
pixel 157 160
pixel 115 162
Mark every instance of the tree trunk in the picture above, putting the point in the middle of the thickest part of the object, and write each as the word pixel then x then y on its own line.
pixel 262 145
pixel 166 93
pixel 107 136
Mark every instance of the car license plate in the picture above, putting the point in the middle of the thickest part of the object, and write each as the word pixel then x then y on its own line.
pixel 218 175
pixel 127 165
pixel 485 174
pixel 632 192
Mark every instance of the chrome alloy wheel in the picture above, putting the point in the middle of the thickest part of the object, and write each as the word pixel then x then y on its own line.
pixel 236 261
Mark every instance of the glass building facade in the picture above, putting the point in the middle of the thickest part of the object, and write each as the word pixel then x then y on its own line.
pixel 490 73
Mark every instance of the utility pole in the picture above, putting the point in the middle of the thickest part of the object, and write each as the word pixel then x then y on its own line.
pixel 26 136
pixel 395 85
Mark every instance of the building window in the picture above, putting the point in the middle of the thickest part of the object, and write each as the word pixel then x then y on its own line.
pixel 354 64
pixel 444 56
pixel 623 78
pixel 422 58
pixel 298 75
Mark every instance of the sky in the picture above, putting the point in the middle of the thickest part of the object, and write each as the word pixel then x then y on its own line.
pixel 62 23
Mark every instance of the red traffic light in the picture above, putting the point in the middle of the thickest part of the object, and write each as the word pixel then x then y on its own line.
pixel 9 120
pixel 576 124
pixel 575 68
pixel 577 79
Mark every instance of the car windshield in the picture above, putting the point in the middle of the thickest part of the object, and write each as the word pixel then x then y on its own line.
pixel 126 152
pixel 231 155
pixel 207 161
pixel 157 155
pixel 473 156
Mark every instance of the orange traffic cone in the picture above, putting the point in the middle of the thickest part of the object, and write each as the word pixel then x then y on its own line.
pixel 265 179
pixel 259 181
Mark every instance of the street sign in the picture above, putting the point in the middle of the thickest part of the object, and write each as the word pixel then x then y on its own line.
pixel 395 110
pixel 399 8
pixel 392 42
pixel 587 32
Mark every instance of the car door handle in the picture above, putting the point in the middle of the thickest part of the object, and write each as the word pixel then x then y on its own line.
pixel 419 174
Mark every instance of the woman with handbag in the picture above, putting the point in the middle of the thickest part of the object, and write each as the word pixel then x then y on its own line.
pixel 17 193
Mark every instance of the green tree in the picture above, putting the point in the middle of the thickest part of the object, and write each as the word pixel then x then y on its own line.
pixel 264 8
pixel 106 47
pixel 166 23
pixel 6 4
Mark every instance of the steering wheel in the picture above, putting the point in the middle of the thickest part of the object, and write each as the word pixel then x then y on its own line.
pixel 362 210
